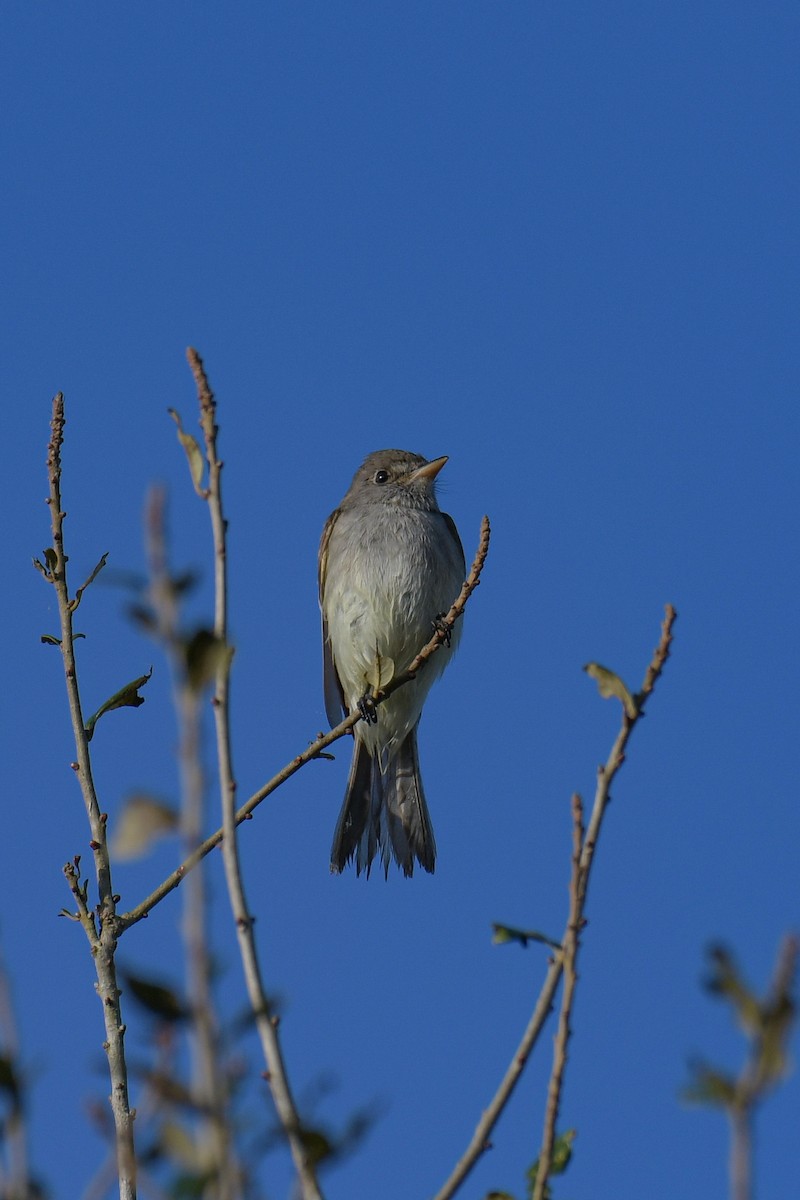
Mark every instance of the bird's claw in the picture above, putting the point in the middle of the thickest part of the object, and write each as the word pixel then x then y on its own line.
pixel 366 706
pixel 439 626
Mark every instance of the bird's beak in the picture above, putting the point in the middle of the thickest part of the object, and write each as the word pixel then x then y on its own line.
pixel 428 470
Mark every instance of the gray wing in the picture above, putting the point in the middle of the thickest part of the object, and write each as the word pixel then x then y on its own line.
pixel 334 696
pixel 451 525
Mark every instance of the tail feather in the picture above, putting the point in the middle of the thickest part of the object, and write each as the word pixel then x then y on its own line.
pixel 386 810
pixel 355 820
pixel 410 830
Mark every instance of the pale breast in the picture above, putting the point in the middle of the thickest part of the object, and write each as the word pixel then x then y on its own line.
pixel 387 580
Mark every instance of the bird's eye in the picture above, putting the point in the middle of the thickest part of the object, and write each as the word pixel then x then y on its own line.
pixel 381 476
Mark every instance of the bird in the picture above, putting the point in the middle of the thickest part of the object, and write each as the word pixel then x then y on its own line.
pixel 391 565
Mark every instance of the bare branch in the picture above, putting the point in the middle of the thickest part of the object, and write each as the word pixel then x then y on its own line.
pixel 208 1082
pixel 480 1140
pixel 16 1183
pixel 765 1064
pixel 569 957
pixel 265 1019
pixel 103 941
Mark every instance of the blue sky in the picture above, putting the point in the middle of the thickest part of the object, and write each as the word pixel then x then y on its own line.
pixel 558 243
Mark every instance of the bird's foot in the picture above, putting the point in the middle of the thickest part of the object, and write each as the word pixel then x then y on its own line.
pixel 439 626
pixel 366 706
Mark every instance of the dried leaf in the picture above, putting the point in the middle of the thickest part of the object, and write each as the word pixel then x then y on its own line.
pixel 169 1088
pixel 205 653
pixel 178 1145
pixel 142 821
pixel 126 697
pixel 381 673
pixel 609 684
pixel 193 453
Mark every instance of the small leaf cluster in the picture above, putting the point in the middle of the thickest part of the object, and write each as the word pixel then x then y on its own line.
pixel 559 1161
pixel 766 1022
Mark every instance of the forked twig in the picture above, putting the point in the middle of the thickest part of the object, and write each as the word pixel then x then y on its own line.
pixel 103 932
pixel 209 1083
pixel 265 1019
pixel 480 1140
pixel 569 954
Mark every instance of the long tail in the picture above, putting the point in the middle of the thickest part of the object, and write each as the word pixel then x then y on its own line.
pixel 384 810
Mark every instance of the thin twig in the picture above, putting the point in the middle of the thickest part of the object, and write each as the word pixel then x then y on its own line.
pixel 149 1109
pixel 208 1083
pixel 569 952
pixel 265 1018
pixel 102 936
pixel 741 1153
pixel 760 1072
pixel 324 740
pixel 16 1184
pixel 607 771
pixel 480 1140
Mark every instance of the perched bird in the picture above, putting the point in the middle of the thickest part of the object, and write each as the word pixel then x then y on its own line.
pixel 390 564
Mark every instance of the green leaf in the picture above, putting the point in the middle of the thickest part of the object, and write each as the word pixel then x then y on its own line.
pixel 499 1196
pixel 609 684
pixel 185 583
pixel 50 639
pixel 725 980
pixel 193 453
pixel 777 1021
pixel 710 1087
pixel 507 933
pixel 142 821
pixel 79 593
pixel 126 697
pixel 190 1186
pixel 143 616
pixel 163 1002
pixel 317 1144
pixel 562 1151
pixel 559 1160
pixel 9 1080
pixel 766 1023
